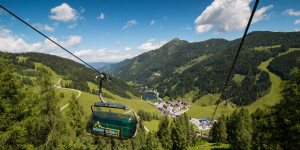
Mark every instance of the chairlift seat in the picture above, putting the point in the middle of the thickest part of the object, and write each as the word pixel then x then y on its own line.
pixel 111 124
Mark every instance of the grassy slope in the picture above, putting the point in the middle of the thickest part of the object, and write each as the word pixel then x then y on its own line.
pixel 274 95
pixel 87 99
pixel 191 63
pixel 67 96
pixel 238 78
pixel 270 99
pixel 208 146
pixel 152 125
pixel 265 48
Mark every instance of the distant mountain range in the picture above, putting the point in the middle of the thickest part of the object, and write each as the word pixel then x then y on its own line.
pixel 77 74
pixel 179 67
pixel 99 65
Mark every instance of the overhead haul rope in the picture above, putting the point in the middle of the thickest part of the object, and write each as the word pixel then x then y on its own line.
pixel 60 45
pixel 236 56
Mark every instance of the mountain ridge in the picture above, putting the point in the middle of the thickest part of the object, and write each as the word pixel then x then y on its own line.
pixel 202 66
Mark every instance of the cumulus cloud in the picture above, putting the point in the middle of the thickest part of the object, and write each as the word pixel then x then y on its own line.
pixel 90 53
pixel 64 13
pixel 152 22
pixel 119 43
pixel 101 16
pixel 291 12
pixel 130 23
pixel 72 26
pixel 151 44
pixel 15 43
pixel 101 55
pixel 228 15
pixel 261 15
pixel 43 27
pixel 116 58
pixel 127 49
pixel 72 41
pixel 297 30
pixel 297 21
pixel 114 51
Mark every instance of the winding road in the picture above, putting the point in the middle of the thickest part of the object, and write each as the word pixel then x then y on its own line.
pixel 59 87
pixel 79 93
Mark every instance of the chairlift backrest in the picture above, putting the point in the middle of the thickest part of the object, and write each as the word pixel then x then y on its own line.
pixel 112 124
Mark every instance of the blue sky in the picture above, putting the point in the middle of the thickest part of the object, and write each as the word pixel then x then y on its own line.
pixel 114 30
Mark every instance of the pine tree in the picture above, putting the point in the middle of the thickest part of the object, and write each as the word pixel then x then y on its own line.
pixel 164 133
pixel 219 131
pixel 263 125
pixel 287 114
pixel 12 134
pixel 9 94
pixel 240 136
pixel 152 141
pixel 139 141
pixel 75 114
pixel 178 134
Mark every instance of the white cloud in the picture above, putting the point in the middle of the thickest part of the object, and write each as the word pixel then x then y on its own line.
pixel 44 27
pixel 203 28
pixel 15 43
pixel 291 12
pixel 49 46
pixel 91 53
pixel 130 23
pixel 127 49
pixel 227 16
pixel 64 13
pixel 119 43
pixel 116 58
pixel 297 21
pixel 72 41
pixel 297 30
pixel 82 10
pixel 114 51
pixel 55 24
pixel 72 26
pixel 151 44
pixel 261 15
pixel 101 55
pixel 101 16
pixel 152 22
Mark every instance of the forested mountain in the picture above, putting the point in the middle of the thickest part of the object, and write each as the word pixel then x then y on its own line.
pixel 69 69
pixel 180 67
pixel 283 65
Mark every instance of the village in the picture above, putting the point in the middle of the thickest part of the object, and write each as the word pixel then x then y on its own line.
pixel 179 107
pixel 172 109
pixel 175 109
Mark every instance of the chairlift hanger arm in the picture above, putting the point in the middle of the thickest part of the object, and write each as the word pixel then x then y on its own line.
pixel 102 77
